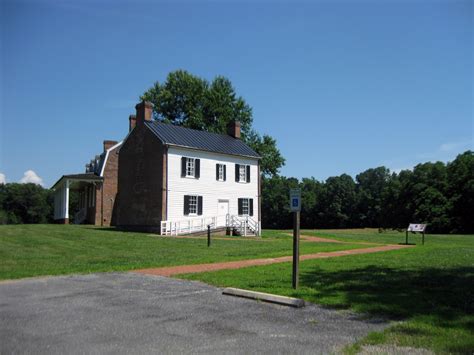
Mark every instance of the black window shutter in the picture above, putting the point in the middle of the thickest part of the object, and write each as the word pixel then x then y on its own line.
pixel 186 205
pixel 199 205
pixel 237 166
pixel 248 173
pixel 240 207
pixel 183 166
pixel 251 206
pixel 217 171
pixel 225 174
pixel 197 168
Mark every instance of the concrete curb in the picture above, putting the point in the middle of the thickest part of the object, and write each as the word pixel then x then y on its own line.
pixel 267 297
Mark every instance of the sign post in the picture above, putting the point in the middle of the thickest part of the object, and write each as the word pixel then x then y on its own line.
pixel 295 207
pixel 208 235
pixel 416 228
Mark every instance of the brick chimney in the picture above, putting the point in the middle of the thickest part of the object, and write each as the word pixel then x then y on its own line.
pixel 132 119
pixel 109 144
pixel 233 129
pixel 144 112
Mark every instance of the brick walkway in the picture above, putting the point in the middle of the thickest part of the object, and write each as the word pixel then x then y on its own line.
pixel 191 269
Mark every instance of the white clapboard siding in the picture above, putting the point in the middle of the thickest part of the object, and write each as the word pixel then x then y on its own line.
pixel 207 185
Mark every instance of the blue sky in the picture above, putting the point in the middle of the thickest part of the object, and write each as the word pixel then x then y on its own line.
pixel 342 85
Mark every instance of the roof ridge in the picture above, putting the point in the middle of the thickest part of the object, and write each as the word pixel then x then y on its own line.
pixel 192 129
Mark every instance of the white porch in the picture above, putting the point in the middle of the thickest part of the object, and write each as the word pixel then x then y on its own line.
pixel 62 191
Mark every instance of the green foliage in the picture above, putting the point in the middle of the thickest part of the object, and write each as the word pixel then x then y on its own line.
pixel 188 100
pixel 337 204
pixel 371 186
pixel 271 160
pixel 434 193
pixel 460 174
pixel 25 203
pixel 275 210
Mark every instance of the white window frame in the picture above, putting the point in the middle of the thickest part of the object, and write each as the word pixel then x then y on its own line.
pixel 190 167
pixel 243 177
pixel 221 172
pixel 193 205
pixel 245 205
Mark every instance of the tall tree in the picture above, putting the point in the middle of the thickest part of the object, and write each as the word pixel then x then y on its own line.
pixel 460 174
pixel 188 100
pixel 337 203
pixel 371 185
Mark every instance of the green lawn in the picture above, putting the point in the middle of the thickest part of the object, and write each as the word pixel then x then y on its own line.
pixel 34 250
pixel 427 291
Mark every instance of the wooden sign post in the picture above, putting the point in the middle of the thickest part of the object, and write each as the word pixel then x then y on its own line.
pixel 295 207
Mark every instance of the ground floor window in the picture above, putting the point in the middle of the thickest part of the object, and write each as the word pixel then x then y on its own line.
pixel 192 205
pixel 245 206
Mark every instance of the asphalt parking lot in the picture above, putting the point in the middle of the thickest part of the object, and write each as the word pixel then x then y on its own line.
pixel 133 313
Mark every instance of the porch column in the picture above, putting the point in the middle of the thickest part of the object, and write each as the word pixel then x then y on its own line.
pixel 61 204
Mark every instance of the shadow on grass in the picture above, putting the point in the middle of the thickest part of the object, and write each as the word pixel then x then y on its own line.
pixel 446 294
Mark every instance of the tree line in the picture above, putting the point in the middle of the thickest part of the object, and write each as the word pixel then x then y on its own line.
pixel 439 194
pixel 25 203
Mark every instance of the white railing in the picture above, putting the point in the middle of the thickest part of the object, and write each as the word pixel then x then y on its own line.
pixel 192 225
pixel 80 216
pixel 244 225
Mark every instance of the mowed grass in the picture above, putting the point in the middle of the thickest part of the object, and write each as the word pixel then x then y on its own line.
pixel 426 291
pixel 36 250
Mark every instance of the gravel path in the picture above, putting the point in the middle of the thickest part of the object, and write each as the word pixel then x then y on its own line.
pixel 136 313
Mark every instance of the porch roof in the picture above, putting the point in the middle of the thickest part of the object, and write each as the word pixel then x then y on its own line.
pixel 86 177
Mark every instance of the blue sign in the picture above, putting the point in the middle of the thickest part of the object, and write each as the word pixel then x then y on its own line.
pixel 295 200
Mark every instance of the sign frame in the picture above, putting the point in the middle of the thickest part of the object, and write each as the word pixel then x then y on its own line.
pixel 295 200
pixel 414 228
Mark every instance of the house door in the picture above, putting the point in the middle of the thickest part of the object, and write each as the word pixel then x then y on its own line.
pixel 222 212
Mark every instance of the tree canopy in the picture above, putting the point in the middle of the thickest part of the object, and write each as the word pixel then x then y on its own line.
pixel 25 203
pixel 190 101
pixel 439 194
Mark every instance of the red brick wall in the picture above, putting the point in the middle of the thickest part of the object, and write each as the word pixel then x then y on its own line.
pixel 140 204
pixel 106 193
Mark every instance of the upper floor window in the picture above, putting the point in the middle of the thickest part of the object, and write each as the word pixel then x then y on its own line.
pixel 242 173
pixel 220 172
pixel 190 167
pixel 190 171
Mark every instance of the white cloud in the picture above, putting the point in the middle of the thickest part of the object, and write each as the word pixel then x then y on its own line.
pixel 445 152
pixel 3 179
pixel 455 146
pixel 31 176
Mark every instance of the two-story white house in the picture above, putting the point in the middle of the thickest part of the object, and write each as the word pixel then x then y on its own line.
pixel 177 180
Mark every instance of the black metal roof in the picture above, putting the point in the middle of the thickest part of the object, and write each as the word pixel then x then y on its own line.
pixel 191 138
